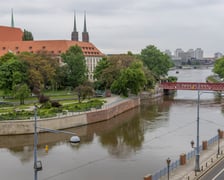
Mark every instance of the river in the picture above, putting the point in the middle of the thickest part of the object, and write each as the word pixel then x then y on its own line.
pixel 126 147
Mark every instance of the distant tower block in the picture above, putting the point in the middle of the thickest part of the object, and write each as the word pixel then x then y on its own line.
pixel 85 34
pixel 75 34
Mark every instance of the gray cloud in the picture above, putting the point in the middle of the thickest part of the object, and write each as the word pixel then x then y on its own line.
pixel 119 26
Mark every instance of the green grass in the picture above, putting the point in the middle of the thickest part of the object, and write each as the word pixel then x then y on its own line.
pixel 10 108
pixel 20 112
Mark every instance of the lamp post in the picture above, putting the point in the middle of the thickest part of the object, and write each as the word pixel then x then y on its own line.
pixel 37 164
pixel 168 168
pixel 218 142
pixel 197 156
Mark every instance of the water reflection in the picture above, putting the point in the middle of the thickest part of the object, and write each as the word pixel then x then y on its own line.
pixel 121 136
pixel 125 139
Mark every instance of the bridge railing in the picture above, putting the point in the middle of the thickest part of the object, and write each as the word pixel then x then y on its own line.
pixel 176 164
pixel 192 86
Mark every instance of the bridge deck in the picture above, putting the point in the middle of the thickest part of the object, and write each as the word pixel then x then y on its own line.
pixel 192 86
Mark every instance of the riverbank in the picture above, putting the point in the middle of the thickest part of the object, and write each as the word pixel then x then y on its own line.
pixel 114 106
pixel 208 159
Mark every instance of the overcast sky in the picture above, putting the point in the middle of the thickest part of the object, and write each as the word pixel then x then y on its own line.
pixel 118 26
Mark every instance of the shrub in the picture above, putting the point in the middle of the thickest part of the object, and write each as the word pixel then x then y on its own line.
pixel 43 99
pixel 55 104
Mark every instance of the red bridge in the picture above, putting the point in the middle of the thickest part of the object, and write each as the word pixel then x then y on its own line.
pixel 192 86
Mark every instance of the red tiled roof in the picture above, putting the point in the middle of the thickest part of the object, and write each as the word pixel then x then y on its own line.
pixel 55 47
pixel 10 34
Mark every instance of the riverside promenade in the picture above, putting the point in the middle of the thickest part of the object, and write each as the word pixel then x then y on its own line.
pixel 208 159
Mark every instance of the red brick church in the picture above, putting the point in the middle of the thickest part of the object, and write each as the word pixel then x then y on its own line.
pixel 11 41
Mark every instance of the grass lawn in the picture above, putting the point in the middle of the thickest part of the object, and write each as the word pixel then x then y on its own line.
pixel 15 111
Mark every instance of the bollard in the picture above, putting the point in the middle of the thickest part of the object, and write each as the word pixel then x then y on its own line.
pixel 221 134
pixel 148 177
pixel 46 148
pixel 212 160
pixel 183 159
pixel 206 165
pixel 204 145
pixel 201 168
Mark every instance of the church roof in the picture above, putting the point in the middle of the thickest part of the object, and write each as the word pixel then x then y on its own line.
pixel 55 47
pixel 10 34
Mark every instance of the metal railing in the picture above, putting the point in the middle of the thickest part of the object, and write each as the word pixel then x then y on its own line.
pixel 176 164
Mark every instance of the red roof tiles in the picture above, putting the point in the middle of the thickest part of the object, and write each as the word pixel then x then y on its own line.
pixel 55 47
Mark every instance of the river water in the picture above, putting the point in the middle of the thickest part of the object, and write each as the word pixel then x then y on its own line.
pixel 127 147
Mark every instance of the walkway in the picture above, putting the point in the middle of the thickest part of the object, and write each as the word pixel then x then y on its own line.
pixel 208 158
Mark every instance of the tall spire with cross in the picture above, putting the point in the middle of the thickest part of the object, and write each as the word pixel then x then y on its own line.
pixel 85 34
pixel 75 34
pixel 12 18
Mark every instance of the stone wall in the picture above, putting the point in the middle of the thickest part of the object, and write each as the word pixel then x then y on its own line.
pixel 112 111
pixel 13 127
pixel 27 126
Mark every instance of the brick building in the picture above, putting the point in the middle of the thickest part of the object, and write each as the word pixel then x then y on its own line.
pixel 11 41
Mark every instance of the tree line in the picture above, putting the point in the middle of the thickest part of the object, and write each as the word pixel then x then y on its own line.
pixel 27 73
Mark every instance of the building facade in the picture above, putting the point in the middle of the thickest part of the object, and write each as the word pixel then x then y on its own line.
pixel 11 41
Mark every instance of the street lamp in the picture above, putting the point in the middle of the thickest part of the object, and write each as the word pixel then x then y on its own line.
pixel 168 168
pixel 37 164
pixel 219 131
pixel 197 156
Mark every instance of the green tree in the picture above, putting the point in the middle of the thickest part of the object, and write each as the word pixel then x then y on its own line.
pixel 109 69
pixel 131 79
pixel 21 91
pixel 27 36
pixel 84 91
pixel 7 57
pixel 75 62
pixel 157 62
pixel 41 69
pixel 219 67
pixel 12 73
pixel 101 75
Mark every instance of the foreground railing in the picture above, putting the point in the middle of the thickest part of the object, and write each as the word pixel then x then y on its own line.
pixel 176 164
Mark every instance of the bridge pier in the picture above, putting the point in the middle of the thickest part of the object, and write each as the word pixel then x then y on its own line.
pixel 168 91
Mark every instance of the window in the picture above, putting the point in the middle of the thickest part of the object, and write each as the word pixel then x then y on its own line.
pixel 30 47
pixel 3 48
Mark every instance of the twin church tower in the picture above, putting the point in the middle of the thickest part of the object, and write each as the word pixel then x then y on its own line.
pixel 75 34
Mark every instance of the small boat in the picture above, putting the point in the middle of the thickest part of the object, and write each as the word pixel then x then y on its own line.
pixel 177 72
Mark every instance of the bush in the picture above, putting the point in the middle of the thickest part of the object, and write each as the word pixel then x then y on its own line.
pixel 55 104
pixel 43 99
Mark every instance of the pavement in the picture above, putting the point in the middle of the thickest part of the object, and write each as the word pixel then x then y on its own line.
pixel 208 158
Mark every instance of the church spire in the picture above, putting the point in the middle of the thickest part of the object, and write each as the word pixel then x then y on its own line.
pixel 85 34
pixel 75 35
pixel 12 18
pixel 85 29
